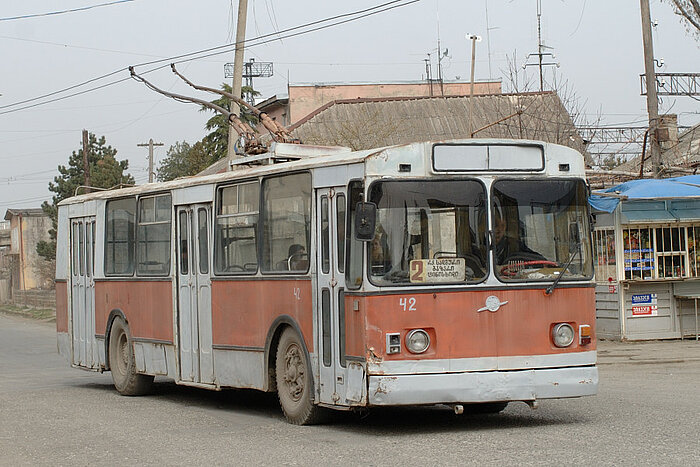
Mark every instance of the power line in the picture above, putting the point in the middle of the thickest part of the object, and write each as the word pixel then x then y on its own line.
pixel 222 49
pixel 61 12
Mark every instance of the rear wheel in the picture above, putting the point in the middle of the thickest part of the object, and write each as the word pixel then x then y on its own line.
pixel 122 364
pixel 295 381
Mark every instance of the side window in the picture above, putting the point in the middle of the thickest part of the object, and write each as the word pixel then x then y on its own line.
pixel 286 223
pixel 236 229
pixel 340 225
pixel 353 271
pixel 154 227
pixel 120 237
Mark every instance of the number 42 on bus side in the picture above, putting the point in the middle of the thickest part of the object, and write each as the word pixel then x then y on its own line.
pixel 407 303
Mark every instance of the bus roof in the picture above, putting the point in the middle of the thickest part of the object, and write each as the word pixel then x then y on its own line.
pixel 309 157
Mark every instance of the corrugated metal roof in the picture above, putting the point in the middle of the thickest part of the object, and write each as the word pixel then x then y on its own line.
pixel 377 122
pixel 29 212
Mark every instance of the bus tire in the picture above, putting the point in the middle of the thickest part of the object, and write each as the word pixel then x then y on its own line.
pixel 122 364
pixel 295 381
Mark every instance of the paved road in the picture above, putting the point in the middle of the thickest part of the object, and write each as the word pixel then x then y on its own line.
pixel 647 412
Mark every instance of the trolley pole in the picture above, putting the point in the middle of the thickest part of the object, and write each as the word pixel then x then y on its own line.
pixel 238 68
pixel 150 145
pixel 652 98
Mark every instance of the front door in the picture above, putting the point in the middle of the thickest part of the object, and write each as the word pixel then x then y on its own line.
pixel 194 293
pixel 84 344
pixel 341 383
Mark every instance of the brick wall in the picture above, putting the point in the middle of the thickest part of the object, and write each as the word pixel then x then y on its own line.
pixel 34 298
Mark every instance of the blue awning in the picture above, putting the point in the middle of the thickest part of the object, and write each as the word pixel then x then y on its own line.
pixel 666 188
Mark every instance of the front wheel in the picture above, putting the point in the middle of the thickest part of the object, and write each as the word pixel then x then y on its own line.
pixel 295 381
pixel 122 364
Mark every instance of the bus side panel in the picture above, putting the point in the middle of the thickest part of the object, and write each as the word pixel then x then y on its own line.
pixel 62 306
pixel 520 327
pixel 147 306
pixel 243 310
pixel 63 338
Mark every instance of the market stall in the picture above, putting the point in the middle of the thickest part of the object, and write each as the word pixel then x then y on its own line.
pixel 647 261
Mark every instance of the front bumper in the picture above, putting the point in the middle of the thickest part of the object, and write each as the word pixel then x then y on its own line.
pixel 487 386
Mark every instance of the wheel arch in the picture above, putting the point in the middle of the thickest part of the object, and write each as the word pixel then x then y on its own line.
pixel 110 320
pixel 271 344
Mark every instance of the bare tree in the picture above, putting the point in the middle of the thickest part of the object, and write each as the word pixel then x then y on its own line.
pixel 689 11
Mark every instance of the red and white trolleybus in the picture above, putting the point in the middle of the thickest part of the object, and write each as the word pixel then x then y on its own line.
pixel 450 273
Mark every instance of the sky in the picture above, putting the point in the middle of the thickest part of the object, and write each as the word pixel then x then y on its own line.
pixel 597 45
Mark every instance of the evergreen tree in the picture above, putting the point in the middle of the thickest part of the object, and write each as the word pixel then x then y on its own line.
pixel 216 142
pixel 105 172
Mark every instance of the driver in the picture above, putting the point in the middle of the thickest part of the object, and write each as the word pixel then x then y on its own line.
pixel 505 247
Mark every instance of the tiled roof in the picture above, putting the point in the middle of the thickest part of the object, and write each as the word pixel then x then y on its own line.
pixel 377 122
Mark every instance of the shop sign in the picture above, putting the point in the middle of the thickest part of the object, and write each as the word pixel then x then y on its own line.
pixel 645 299
pixel 612 288
pixel 645 310
pixel 645 304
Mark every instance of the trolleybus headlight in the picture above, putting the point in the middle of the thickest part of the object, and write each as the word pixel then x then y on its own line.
pixel 417 341
pixel 562 335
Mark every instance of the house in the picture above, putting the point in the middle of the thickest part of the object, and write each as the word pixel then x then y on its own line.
pixel 303 99
pixel 27 269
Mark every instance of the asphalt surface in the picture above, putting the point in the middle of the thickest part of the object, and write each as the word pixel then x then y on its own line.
pixel 647 412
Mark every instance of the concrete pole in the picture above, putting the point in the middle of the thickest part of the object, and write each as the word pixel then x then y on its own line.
pixel 652 98
pixel 86 163
pixel 238 69
pixel 473 38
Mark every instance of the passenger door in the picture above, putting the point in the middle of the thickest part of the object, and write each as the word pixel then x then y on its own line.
pixel 194 294
pixel 341 383
pixel 84 343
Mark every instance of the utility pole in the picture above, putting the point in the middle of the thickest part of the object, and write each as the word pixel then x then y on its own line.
pixel 86 164
pixel 474 38
pixel 150 145
pixel 238 68
pixel 652 98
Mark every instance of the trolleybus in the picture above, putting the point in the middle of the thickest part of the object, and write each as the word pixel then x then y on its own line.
pixel 452 273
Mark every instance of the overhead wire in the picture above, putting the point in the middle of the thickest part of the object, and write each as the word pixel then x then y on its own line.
pixel 209 52
pixel 62 12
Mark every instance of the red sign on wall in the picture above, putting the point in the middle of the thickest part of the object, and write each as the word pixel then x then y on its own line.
pixel 645 310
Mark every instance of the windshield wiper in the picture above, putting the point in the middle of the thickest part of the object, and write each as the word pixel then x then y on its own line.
pixel 551 288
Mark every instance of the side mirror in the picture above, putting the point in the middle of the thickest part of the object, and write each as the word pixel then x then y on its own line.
pixel 365 221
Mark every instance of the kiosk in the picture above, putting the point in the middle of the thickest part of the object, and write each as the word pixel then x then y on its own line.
pixel 645 243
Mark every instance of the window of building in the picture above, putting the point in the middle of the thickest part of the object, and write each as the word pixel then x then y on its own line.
pixel 120 237
pixel 604 248
pixel 154 227
pixel 286 223
pixel 236 228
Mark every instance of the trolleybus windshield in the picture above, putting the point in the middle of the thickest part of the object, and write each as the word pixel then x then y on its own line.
pixel 538 227
pixel 429 232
